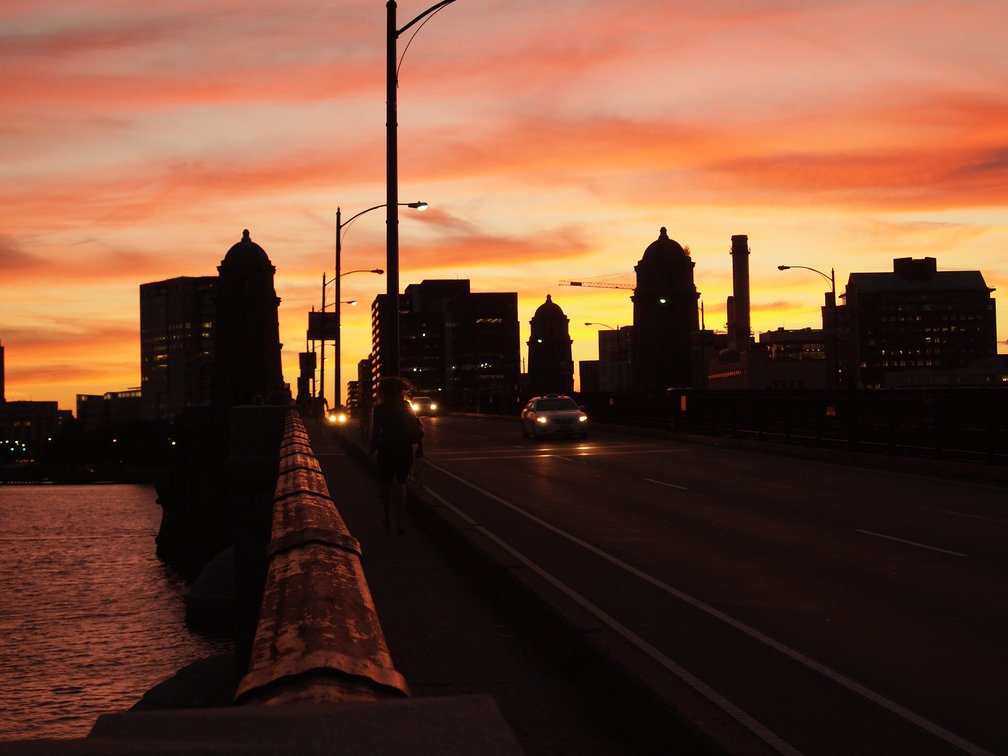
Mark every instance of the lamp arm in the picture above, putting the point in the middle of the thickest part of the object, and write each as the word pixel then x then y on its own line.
pixel 343 224
pixel 832 281
pixel 433 9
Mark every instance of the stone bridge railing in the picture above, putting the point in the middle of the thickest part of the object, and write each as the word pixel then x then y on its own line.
pixel 318 638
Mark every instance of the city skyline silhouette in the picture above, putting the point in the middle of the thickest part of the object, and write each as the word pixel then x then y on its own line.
pixel 137 142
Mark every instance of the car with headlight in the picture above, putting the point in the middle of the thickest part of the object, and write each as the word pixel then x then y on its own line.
pixel 553 415
pixel 338 417
pixel 424 405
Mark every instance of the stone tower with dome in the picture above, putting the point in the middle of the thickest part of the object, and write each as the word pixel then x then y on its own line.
pixel 665 318
pixel 247 336
pixel 550 365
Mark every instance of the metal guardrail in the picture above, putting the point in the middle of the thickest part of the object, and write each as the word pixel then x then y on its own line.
pixel 318 638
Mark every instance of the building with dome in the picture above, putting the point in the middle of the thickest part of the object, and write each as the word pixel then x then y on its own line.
pixel 247 340
pixel 550 364
pixel 665 317
pixel 211 340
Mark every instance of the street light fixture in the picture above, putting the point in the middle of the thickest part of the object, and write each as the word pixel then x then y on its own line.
pixel 831 277
pixel 831 306
pixel 604 325
pixel 341 229
pixel 390 339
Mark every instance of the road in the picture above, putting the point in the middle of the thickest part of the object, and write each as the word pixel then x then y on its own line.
pixel 829 609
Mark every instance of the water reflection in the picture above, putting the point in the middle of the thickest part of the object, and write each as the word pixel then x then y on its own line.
pixel 90 618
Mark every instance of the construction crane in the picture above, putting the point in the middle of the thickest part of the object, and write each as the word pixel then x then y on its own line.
pixel 598 285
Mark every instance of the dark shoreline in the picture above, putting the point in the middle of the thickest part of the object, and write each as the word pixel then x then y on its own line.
pixel 45 475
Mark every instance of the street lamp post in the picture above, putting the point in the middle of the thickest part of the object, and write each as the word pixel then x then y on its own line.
pixel 390 347
pixel 340 226
pixel 831 303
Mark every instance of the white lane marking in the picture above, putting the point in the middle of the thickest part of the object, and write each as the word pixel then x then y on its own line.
pixel 827 672
pixel 542 452
pixel 909 543
pixel 757 728
pixel 663 483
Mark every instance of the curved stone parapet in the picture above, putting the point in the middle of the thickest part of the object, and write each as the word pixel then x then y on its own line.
pixel 318 638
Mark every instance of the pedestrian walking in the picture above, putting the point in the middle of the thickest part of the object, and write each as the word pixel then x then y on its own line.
pixel 396 438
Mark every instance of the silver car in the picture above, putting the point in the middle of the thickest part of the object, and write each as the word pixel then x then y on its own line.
pixel 553 415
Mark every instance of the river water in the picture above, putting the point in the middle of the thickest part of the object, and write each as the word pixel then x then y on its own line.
pixel 90 619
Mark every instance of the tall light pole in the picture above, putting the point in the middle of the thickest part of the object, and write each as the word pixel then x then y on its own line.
pixel 390 339
pixel 831 304
pixel 340 226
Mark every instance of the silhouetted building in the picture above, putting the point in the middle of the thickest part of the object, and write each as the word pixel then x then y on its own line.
pixel 353 398
pixel 783 359
pixel 25 427
pixel 110 408
pixel 988 372
pixel 3 390
pixel 247 368
pixel 915 318
pixel 459 346
pixel 665 316
pixel 588 375
pixel 550 365
pixel 177 324
pixel 365 392
pixel 614 363
pixel 306 379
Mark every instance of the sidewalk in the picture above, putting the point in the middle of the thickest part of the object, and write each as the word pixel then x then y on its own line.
pixel 445 635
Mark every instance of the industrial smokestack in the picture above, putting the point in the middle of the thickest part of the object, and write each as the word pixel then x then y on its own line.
pixel 738 324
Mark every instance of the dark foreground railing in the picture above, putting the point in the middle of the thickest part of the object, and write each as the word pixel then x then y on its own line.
pixel 318 638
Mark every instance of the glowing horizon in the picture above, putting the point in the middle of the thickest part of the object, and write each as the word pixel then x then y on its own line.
pixel 137 141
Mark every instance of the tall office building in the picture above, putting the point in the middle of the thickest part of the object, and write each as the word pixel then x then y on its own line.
pixel 177 322
pixel 665 316
pixel 456 345
pixel 550 364
pixel 915 317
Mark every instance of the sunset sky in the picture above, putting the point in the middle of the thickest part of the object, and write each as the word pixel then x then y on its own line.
pixel 551 139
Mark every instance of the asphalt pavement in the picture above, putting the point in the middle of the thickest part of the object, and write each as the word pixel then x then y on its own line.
pixel 447 635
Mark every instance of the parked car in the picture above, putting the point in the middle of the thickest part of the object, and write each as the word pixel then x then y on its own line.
pixel 553 415
pixel 424 405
